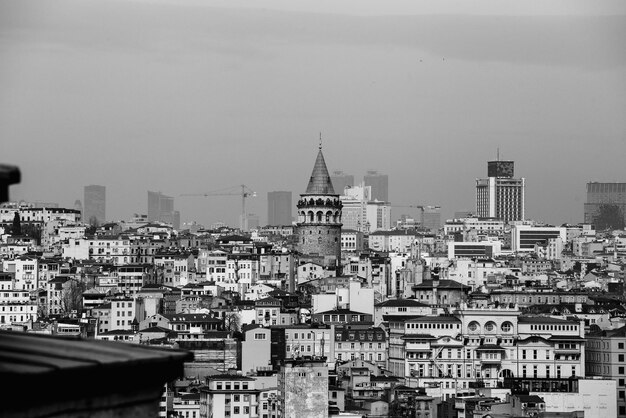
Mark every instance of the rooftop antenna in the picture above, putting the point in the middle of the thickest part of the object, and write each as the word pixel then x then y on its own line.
pixel 498 153
pixel 320 141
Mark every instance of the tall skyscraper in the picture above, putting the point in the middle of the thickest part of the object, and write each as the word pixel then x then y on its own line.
pixel 319 218
pixel 279 208
pixel 379 183
pixel 95 205
pixel 500 195
pixel 161 209
pixel 154 205
pixel 431 218
pixel 341 180
pixel 606 205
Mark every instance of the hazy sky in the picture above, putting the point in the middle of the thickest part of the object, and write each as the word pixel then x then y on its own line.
pixel 194 96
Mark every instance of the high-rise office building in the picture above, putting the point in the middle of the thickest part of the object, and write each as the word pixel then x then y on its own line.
pixel 606 205
pixel 379 183
pixel 500 195
pixel 161 209
pixel 95 205
pixel 341 180
pixel 279 206
pixel 431 218
pixel 154 205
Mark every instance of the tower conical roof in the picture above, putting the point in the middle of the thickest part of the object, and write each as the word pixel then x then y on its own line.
pixel 320 179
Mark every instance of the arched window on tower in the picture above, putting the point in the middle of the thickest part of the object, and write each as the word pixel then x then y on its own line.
pixel 311 216
pixel 319 216
pixel 329 216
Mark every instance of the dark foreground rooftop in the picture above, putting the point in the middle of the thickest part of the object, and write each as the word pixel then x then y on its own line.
pixel 52 376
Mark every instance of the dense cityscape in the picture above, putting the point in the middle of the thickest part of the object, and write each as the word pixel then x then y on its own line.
pixel 333 308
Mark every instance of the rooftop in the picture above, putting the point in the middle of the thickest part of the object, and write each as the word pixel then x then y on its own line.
pixel 401 303
pixel 441 284
pixel 320 183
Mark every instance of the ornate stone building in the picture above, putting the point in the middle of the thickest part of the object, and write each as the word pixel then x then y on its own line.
pixel 319 219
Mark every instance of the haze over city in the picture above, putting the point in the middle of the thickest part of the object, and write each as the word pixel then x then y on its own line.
pixel 189 97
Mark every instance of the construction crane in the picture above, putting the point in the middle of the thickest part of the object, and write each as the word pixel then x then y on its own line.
pixel 244 191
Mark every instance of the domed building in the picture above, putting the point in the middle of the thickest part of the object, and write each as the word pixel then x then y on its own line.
pixel 319 219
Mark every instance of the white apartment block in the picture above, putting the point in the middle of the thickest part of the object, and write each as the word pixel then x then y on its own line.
pixel 491 226
pixel 392 241
pixel 302 340
pixel 229 396
pixel 243 270
pixel 38 215
pixel 117 251
pixel 17 306
pixel 524 237
pixel 26 271
pixel 214 264
pixel 124 312
pixel 487 345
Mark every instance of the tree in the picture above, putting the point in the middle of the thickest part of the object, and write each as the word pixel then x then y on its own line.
pixel 17 224
pixel 33 231
pixel 232 322
pixel 609 216
pixel 72 297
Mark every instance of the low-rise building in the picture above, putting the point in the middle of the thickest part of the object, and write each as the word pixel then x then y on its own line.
pixel 303 388
pixel 606 357
pixel 229 395
pixel 368 344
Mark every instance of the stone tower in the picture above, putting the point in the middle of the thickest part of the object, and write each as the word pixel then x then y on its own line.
pixel 319 219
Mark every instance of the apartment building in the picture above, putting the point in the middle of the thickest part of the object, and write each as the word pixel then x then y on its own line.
pixel 606 357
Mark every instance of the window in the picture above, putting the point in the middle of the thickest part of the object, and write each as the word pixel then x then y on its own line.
pixel 236 410
pixel 620 358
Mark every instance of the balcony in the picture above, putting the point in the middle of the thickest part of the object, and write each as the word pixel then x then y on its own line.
pixel 490 360
pixel 410 346
pixel 569 350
